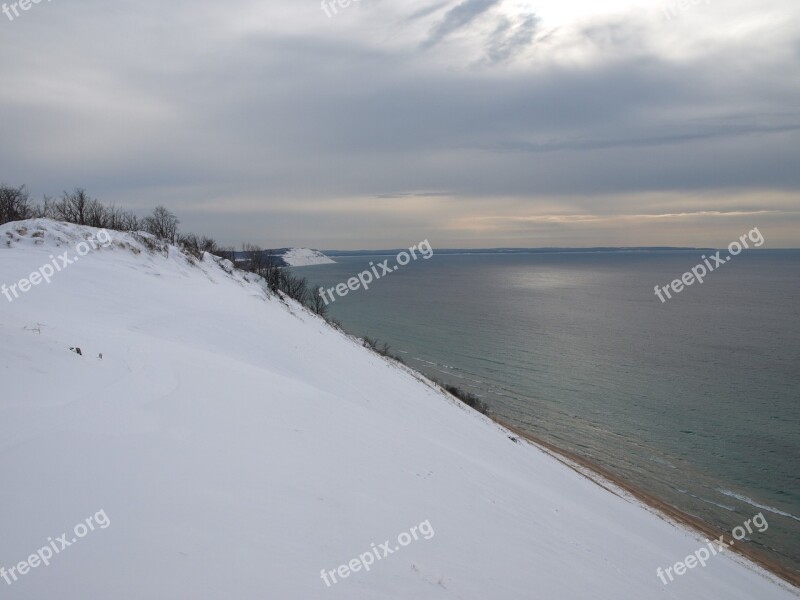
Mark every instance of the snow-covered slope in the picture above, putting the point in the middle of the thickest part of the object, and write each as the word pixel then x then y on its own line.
pixel 303 257
pixel 238 445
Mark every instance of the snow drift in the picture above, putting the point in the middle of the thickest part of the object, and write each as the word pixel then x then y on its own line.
pixel 238 446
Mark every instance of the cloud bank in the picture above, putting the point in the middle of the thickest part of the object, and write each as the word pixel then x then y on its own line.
pixel 474 123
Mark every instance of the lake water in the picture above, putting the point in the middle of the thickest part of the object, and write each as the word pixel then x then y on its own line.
pixel 696 400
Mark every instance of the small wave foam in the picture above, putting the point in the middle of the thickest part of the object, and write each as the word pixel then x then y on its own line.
pixel 730 508
pixel 752 502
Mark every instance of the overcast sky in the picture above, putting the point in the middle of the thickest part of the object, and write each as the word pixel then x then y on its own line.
pixel 472 123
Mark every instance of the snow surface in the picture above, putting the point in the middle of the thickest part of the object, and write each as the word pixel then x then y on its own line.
pixel 303 257
pixel 239 445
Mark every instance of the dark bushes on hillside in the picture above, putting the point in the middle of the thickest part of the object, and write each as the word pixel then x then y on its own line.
pixel 468 398
pixel 197 245
pixel 382 349
pixel 80 208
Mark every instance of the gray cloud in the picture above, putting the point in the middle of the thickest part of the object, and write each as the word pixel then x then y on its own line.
pixel 507 39
pixel 427 11
pixel 295 128
pixel 709 133
pixel 457 18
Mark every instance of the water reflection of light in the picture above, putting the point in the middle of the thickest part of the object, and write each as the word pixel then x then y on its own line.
pixel 545 279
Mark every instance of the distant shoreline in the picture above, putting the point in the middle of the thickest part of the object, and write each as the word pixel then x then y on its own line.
pixel 554 250
pixel 573 460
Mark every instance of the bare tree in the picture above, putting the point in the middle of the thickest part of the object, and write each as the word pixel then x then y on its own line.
pixel 129 222
pixel 96 215
pixel 162 224
pixel 189 243
pixel 228 253
pixel 207 244
pixel 197 245
pixel 252 257
pixel 317 303
pixel 15 204
pixel 271 265
pixel 294 287
pixel 120 220
pixel 46 209
pixel 74 207
pixel 264 263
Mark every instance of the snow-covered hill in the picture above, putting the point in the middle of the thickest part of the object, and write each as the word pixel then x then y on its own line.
pixel 303 257
pixel 238 446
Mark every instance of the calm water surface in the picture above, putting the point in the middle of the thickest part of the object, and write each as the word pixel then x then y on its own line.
pixel 696 400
